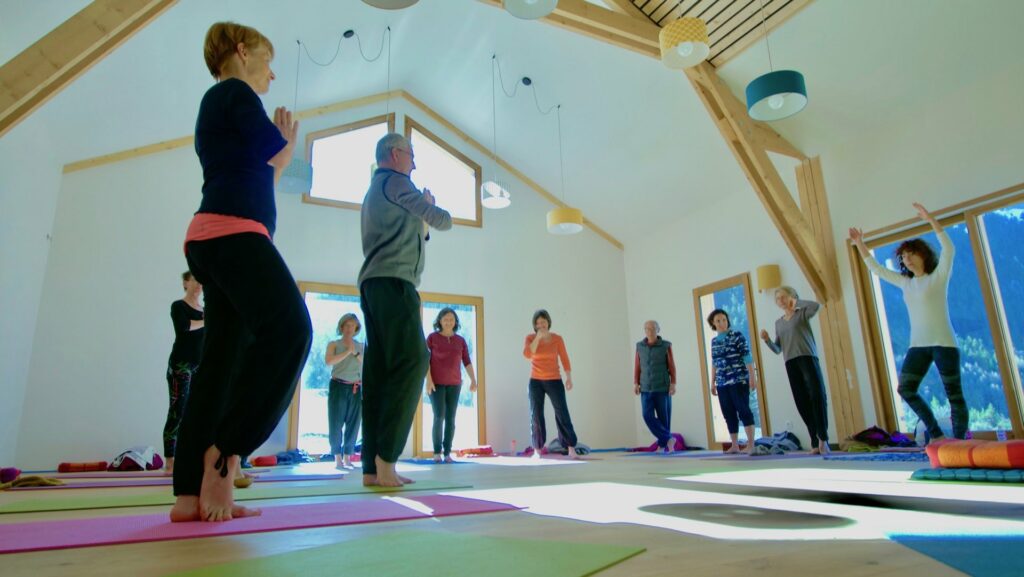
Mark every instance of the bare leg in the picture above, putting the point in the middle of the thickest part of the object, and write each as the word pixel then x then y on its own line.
pixel 346 462
pixel 339 462
pixel 750 439
pixel 169 466
pixel 735 448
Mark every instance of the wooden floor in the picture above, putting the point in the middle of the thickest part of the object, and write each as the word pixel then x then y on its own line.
pixel 668 552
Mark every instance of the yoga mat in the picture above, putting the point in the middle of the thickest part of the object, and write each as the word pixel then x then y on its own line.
pixel 745 457
pixel 72 533
pixel 417 552
pixel 157 482
pixel 250 494
pixel 896 457
pixel 977 555
pixel 431 462
pixel 122 474
pixel 674 454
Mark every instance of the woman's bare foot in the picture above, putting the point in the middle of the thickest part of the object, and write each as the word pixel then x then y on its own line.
pixel 815 451
pixel 186 508
pixel 437 457
pixel 216 494
pixel 750 449
pixel 346 462
pixel 339 462
pixel 824 448
pixel 572 453
pixel 448 459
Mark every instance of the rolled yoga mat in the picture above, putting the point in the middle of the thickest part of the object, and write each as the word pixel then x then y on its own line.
pixel 151 499
pixel 416 552
pixel 73 533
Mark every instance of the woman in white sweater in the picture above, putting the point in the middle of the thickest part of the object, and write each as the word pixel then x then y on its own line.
pixel 924 280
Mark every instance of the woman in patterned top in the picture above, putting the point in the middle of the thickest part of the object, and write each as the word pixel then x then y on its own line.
pixel 732 378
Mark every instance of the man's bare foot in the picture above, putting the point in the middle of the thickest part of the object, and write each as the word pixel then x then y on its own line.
pixel 448 459
pixel 386 474
pixel 437 457
pixel 186 508
pixel 572 453
pixel 216 494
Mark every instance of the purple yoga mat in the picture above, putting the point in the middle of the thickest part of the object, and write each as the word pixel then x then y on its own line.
pixel 125 474
pixel 166 481
pixel 73 533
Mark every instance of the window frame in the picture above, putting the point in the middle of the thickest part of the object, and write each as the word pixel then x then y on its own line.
pixel 307 197
pixel 478 222
pixel 876 346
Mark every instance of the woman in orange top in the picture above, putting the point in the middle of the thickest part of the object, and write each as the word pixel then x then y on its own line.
pixel 544 349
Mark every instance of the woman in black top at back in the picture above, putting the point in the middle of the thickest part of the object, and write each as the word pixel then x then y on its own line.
pixel 187 316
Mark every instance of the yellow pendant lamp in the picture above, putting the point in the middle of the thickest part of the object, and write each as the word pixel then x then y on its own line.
pixel 565 220
pixel 684 43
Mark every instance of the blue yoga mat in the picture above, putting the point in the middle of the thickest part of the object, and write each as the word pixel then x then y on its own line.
pixel 977 555
pixel 921 457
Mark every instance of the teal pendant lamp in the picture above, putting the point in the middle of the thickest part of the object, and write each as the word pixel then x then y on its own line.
pixel 778 94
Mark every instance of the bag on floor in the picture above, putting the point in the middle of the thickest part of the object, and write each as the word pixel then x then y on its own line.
pixel 139 458
pixel 777 444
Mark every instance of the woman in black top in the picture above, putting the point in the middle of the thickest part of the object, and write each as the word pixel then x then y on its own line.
pixel 187 316
pixel 258 330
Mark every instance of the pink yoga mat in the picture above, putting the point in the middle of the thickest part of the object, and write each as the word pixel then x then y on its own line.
pixel 73 533
pixel 124 474
pixel 166 481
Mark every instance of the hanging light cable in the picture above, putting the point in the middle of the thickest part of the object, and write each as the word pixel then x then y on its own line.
pixel 778 94
pixel 494 193
pixel 297 177
pixel 563 219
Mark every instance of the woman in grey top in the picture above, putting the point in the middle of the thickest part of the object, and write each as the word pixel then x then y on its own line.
pixel 344 398
pixel 795 340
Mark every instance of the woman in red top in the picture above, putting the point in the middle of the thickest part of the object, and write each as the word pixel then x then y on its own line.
pixel 448 354
pixel 544 349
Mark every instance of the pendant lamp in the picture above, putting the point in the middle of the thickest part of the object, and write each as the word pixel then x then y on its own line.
pixel 779 93
pixel 684 43
pixel 390 4
pixel 530 9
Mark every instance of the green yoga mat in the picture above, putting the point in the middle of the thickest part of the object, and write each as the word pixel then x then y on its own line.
pixel 251 494
pixel 433 554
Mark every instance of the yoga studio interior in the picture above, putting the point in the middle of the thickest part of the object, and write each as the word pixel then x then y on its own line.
pixel 767 244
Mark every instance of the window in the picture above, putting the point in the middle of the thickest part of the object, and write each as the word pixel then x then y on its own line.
pixel 343 160
pixel 470 427
pixel 986 308
pixel 452 178
pixel 733 296
pixel 327 303
pixel 308 415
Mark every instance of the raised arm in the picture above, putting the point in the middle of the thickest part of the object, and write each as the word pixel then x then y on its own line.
pixel 946 243
pixel 808 308
pixel 889 276
pixel 774 345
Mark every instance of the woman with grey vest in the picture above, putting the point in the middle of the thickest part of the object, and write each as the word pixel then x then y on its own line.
pixel 654 379
pixel 344 394
pixel 795 340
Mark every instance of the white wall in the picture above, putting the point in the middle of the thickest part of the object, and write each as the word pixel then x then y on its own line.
pixel 97 384
pixel 29 182
pixel 956 146
pixel 711 244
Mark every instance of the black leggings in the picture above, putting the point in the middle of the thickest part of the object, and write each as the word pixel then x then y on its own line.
pixel 257 337
pixel 915 367
pixel 179 379
pixel 808 388
pixel 444 401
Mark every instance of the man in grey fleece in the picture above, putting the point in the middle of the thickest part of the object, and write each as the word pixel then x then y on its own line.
pixel 395 216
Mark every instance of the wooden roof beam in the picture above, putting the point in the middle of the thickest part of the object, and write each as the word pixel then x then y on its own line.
pixel 42 70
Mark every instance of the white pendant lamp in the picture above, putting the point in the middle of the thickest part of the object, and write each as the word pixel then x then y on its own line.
pixel 390 4
pixel 297 177
pixel 684 43
pixel 494 193
pixel 530 9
